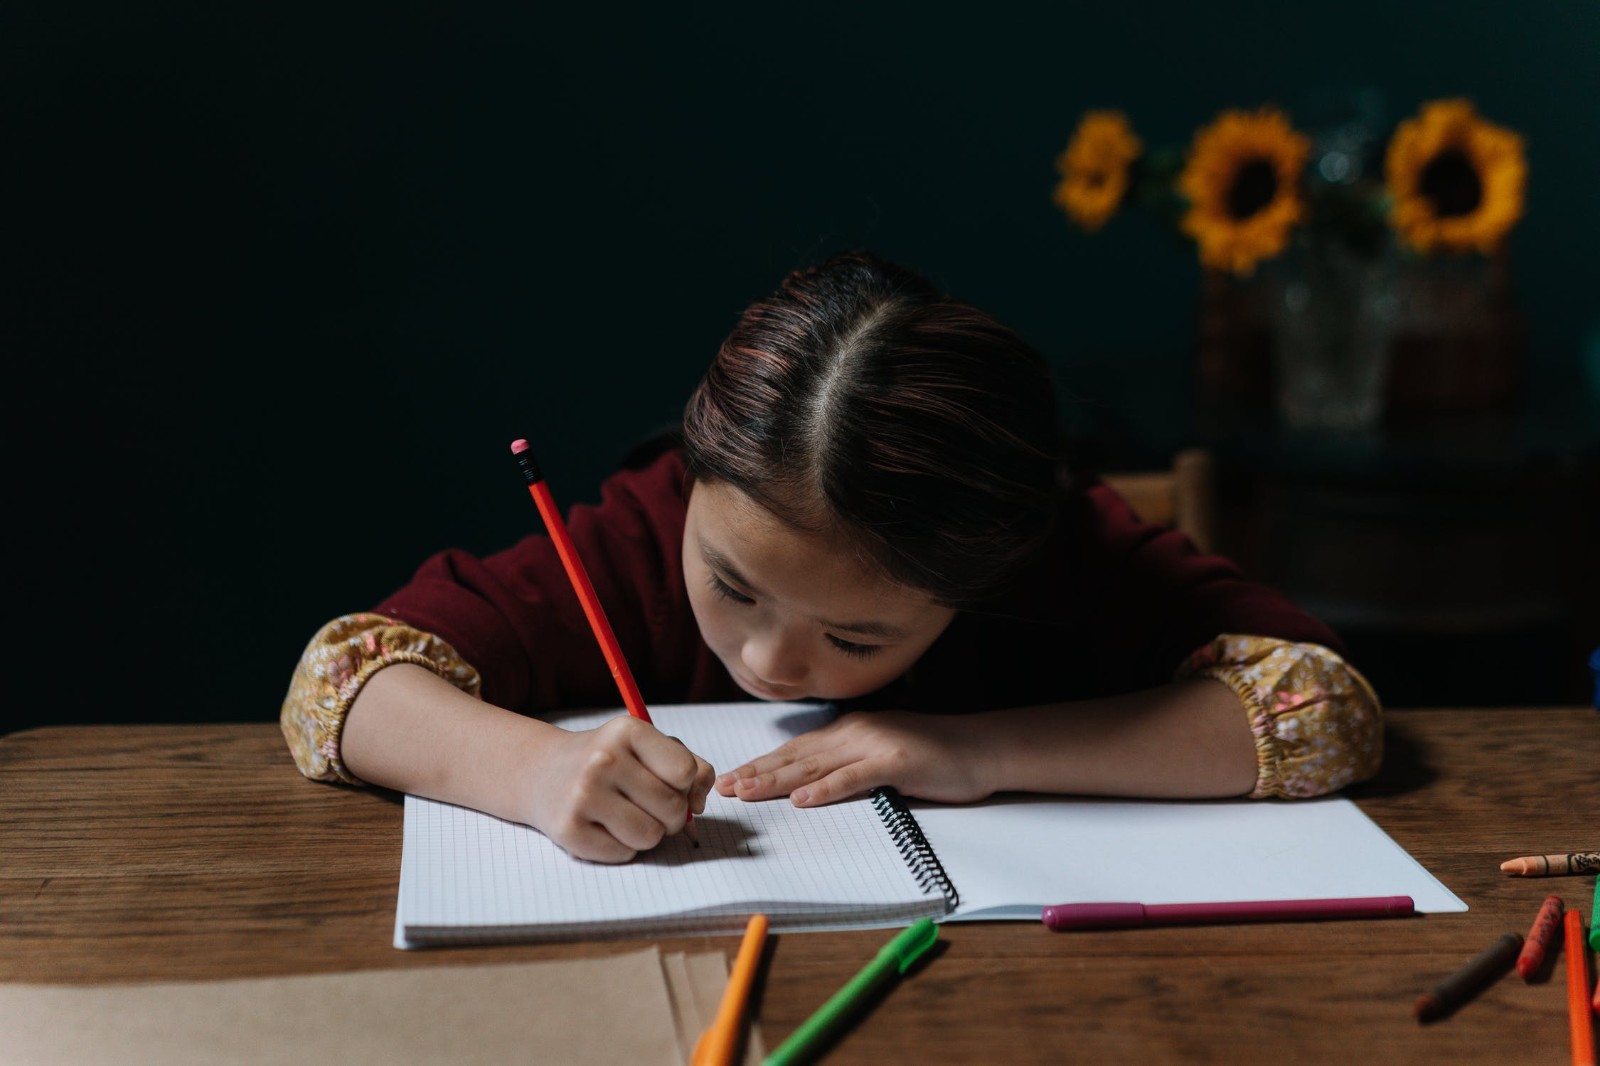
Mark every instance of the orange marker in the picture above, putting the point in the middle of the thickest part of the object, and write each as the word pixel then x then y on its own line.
pixel 1545 924
pixel 585 590
pixel 720 1041
pixel 1580 1012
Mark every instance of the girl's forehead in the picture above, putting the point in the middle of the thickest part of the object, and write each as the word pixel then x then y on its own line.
pixel 730 530
pixel 736 522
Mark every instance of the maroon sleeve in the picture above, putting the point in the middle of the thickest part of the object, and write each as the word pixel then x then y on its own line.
pixel 1155 598
pixel 515 618
pixel 1111 605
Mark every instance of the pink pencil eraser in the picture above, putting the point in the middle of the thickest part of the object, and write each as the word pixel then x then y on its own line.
pixel 519 446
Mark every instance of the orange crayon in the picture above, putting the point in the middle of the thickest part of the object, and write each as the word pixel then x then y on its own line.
pixel 1580 1012
pixel 1545 924
pixel 1573 862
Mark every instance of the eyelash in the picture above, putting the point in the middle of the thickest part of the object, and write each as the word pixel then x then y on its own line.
pixel 852 649
pixel 845 647
pixel 727 591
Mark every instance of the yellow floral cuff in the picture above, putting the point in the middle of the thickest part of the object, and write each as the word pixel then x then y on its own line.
pixel 332 669
pixel 1317 723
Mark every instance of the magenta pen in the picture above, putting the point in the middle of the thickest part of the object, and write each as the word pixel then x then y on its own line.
pixel 1131 915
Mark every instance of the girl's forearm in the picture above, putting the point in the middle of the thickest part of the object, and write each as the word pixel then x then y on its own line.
pixel 1187 740
pixel 412 731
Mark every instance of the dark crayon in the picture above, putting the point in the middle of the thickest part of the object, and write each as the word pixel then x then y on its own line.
pixel 1468 981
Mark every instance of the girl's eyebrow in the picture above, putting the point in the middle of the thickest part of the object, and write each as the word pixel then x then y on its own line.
pixel 882 630
pixel 717 561
pixel 870 628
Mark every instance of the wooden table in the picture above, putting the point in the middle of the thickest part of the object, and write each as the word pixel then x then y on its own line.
pixel 179 852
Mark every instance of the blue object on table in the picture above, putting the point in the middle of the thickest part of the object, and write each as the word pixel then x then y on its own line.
pixel 1594 668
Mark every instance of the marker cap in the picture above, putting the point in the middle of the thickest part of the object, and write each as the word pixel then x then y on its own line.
pixel 1093 915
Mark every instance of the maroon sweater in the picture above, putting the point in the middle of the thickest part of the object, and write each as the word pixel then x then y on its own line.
pixel 1112 605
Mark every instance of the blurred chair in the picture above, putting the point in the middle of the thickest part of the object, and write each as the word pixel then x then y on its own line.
pixel 1181 497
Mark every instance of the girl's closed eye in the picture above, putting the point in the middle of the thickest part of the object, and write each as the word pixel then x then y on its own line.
pixel 725 590
pixel 851 648
pixel 847 647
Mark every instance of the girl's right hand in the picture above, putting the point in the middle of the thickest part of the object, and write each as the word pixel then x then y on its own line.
pixel 607 794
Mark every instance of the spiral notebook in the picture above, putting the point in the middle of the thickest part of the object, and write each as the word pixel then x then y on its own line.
pixel 878 861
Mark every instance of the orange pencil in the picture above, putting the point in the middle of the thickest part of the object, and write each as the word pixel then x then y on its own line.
pixel 1580 1013
pixel 585 590
pixel 720 1041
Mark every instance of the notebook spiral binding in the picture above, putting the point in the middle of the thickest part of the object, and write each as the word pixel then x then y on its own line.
pixel 914 847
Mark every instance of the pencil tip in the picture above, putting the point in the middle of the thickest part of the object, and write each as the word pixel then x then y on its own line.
pixel 519 446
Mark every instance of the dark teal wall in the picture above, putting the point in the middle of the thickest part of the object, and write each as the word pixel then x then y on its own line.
pixel 281 285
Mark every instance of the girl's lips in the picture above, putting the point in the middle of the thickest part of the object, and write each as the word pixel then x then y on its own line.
pixel 762 692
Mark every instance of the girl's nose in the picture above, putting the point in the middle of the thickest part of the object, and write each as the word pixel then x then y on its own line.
pixel 775 657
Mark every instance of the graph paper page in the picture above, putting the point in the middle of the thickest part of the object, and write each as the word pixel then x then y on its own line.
pixel 466 874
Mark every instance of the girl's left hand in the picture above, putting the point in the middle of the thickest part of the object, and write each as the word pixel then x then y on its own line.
pixel 931 757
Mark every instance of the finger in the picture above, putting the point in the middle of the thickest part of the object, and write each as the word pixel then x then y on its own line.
pixel 639 827
pixel 759 771
pixel 594 843
pixel 582 829
pixel 703 777
pixel 851 779
pixel 806 769
pixel 668 758
pixel 649 809
pixel 619 795
pixel 648 768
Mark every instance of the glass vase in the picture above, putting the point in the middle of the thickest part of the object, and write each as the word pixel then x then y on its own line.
pixel 1333 315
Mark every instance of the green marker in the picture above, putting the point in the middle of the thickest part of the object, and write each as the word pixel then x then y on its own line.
pixel 895 958
pixel 1594 918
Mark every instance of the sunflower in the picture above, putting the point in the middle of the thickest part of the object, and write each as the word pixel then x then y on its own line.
pixel 1094 168
pixel 1242 183
pixel 1455 181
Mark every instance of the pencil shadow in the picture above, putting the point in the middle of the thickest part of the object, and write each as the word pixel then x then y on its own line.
pixel 717 838
pixel 1405 769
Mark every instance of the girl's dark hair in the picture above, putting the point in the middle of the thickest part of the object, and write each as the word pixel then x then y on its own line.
pixel 857 400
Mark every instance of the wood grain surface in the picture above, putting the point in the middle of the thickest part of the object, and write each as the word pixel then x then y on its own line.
pixel 198 851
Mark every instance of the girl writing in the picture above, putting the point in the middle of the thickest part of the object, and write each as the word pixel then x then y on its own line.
pixel 866 507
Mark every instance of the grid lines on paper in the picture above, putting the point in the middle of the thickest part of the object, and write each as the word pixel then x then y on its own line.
pixel 482 871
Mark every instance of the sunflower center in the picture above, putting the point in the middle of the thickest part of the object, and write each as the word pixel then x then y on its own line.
pixel 1254 185
pixel 1451 183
